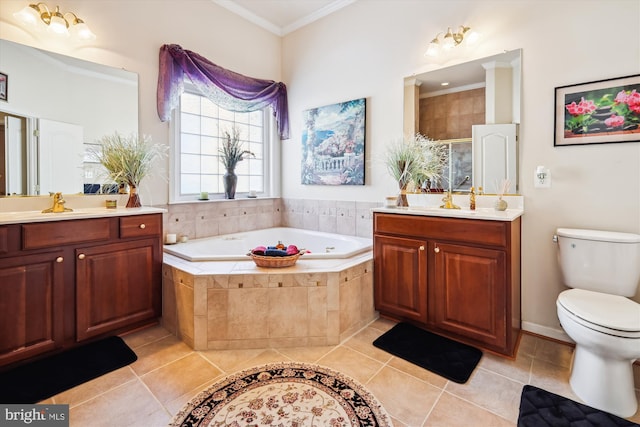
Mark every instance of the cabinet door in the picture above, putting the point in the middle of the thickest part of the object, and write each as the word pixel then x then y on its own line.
pixel 400 277
pixel 117 285
pixel 31 305
pixel 468 296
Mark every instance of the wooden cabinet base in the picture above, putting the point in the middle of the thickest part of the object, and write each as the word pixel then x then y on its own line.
pixel 102 277
pixel 456 277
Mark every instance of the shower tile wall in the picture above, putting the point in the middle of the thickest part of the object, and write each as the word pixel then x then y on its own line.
pixel 205 219
pixel 451 116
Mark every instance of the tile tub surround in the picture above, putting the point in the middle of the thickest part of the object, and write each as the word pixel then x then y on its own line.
pixel 216 217
pixel 236 305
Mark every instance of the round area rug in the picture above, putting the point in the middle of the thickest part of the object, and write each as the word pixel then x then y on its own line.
pixel 284 394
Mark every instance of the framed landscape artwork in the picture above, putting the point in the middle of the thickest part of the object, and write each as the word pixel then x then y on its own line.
pixel 333 144
pixel 598 112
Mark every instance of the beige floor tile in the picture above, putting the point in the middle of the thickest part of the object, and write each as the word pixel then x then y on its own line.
pixel 158 353
pixel 179 377
pixel 453 411
pixel 553 378
pixel 127 405
pixel 93 388
pixel 527 345
pixel 553 352
pixel 418 372
pixel 168 374
pixel 491 391
pixel 229 360
pixel 306 354
pixel 176 404
pixel 264 357
pixel 636 417
pixel 351 362
pixel 145 336
pixel 397 423
pixel 404 397
pixel 518 369
pixel 382 324
pixel 363 342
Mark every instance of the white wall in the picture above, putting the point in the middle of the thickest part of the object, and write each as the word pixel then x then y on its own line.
pixel 130 34
pixel 366 49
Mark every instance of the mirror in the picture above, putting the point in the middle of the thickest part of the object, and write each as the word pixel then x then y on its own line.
pixel 452 105
pixel 56 107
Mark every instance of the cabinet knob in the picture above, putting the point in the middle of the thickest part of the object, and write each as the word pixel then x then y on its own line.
pixel 421 247
pixel 143 226
pixel 59 259
pixel 436 250
pixel 81 256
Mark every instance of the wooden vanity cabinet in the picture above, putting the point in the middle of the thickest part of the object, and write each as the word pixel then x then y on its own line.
pixel 400 263
pixel 64 282
pixel 454 276
pixel 31 300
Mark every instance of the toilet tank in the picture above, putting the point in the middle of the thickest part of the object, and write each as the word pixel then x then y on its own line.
pixel 599 261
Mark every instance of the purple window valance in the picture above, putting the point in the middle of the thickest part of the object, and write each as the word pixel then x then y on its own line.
pixel 230 90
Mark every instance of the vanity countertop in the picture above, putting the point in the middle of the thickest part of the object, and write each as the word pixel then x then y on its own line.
pixel 428 204
pixel 489 214
pixel 17 217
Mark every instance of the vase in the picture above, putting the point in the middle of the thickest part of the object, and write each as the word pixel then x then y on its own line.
pixel 134 197
pixel 402 195
pixel 230 180
pixel 500 205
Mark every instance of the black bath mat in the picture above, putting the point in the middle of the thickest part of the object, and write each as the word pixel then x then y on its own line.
pixel 38 380
pixel 445 357
pixel 540 408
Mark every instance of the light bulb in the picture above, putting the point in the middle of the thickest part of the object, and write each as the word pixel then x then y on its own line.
pixel 29 15
pixel 432 50
pixel 448 42
pixel 58 24
pixel 83 32
pixel 472 37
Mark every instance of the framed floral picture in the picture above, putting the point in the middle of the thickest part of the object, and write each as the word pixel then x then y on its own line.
pixel 4 85
pixel 333 144
pixel 598 112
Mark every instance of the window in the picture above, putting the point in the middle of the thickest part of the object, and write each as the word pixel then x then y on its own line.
pixel 199 131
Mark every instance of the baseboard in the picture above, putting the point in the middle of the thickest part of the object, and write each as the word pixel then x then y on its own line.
pixel 557 334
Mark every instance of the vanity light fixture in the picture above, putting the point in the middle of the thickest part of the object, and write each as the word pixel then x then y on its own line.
pixel 451 39
pixel 38 15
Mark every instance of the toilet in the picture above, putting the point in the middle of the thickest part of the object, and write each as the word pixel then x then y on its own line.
pixel 602 268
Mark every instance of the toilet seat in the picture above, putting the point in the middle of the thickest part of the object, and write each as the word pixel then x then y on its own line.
pixel 610 314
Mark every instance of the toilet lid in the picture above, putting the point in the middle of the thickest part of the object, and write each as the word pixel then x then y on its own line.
pixel 608 311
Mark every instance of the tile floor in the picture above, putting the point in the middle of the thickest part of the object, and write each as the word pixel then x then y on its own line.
pixel 168 373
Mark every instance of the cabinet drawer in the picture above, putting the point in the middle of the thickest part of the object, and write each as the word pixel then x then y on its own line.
pixel 140 226
pixel 39 235
pixel 492 233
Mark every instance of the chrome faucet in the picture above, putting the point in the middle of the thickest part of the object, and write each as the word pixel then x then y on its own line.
pixel 58 205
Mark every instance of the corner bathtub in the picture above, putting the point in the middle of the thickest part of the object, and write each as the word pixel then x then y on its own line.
pixel 230 247
pixel 216 298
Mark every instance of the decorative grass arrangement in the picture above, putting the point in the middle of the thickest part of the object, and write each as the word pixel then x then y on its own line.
pixel 128 160
pixel 415 159
pixel 232 151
